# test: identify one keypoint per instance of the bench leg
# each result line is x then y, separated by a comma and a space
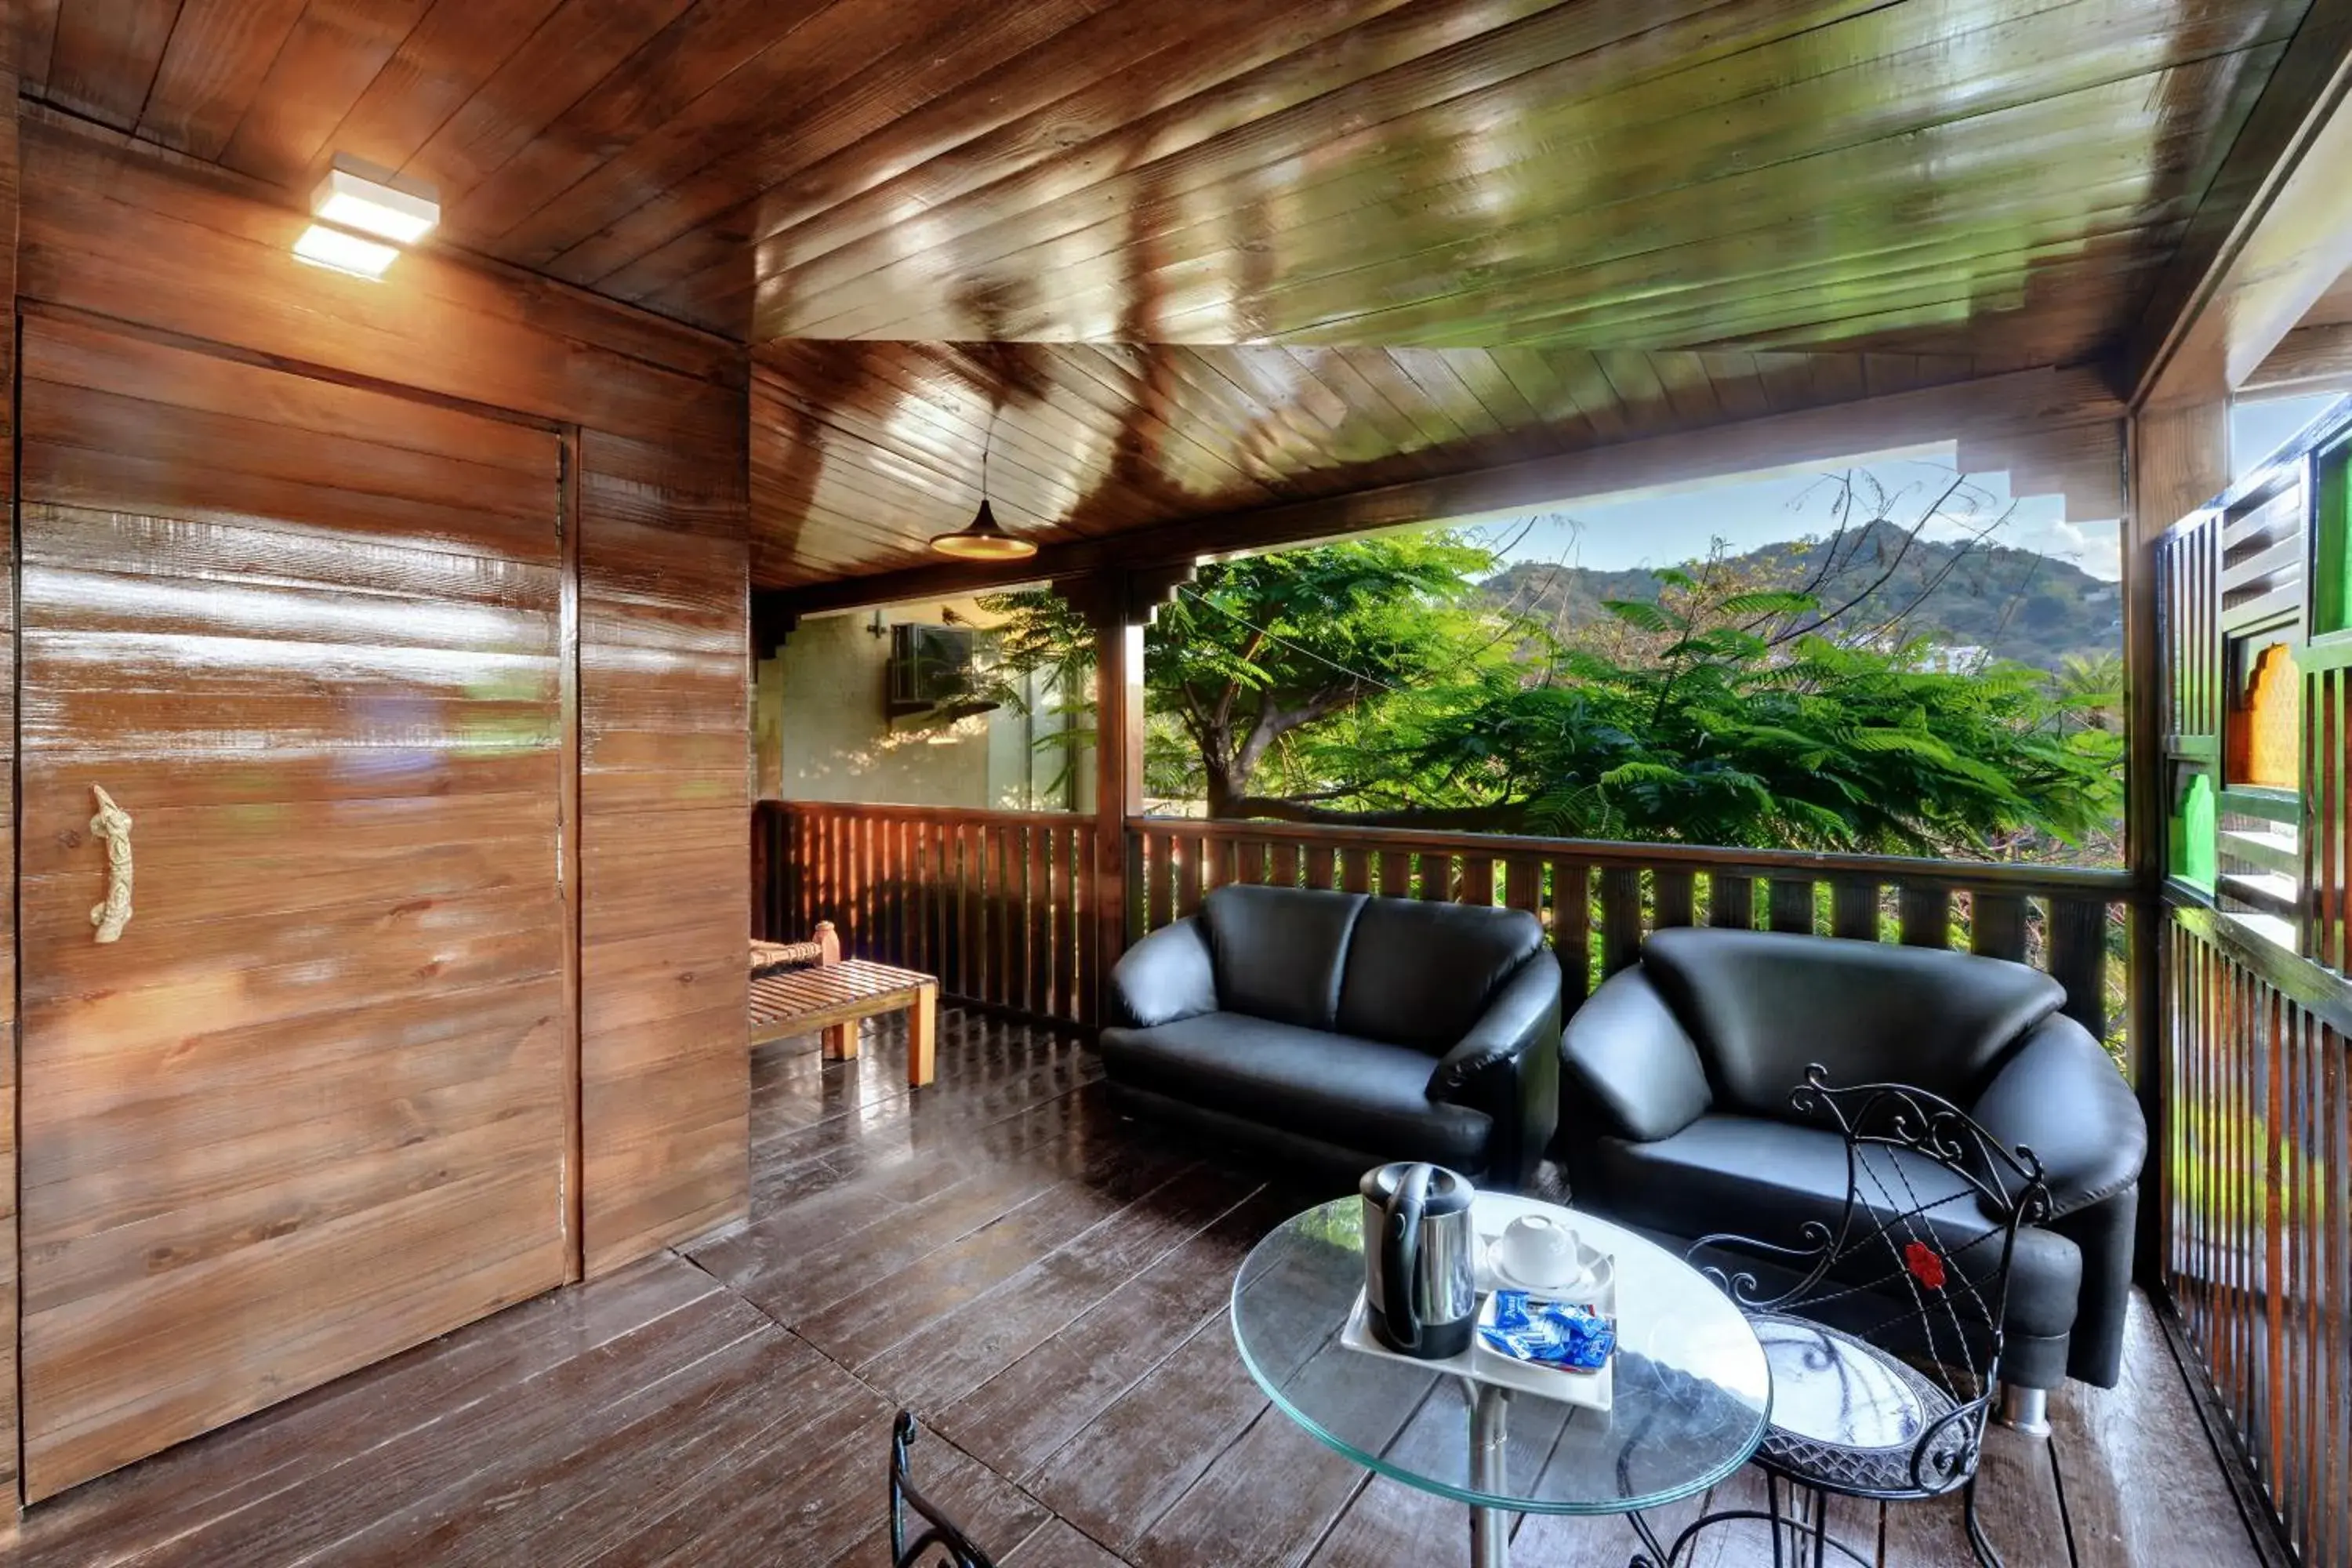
923, 1037
841, 1042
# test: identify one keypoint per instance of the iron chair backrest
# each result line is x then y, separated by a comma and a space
940, 1534
1942, 1313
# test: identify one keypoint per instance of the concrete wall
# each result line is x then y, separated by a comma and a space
821, 727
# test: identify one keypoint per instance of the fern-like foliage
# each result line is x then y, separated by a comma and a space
1362, 678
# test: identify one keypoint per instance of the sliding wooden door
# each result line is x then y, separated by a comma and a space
313, 1106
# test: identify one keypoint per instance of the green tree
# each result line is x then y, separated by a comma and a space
1258, 654
1360, 683
2089, 687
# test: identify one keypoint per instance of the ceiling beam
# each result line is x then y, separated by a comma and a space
2310, 359
2033, 423
2273, 232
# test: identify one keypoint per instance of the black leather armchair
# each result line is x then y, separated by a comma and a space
1340, 1031
1676, 1108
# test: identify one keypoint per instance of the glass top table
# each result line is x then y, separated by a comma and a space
1692, 1388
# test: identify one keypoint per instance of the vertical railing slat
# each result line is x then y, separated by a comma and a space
1083, 850
1670, 897
1040, 999
1187, 876
1061, 915
1789, 903
1159, 892
1523, 884
1436, 877
1927, 915
1730, 900
1571, 929
1997, 925
1854, 909
2078, 960
1620, 917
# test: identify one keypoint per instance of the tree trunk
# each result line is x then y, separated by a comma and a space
1225, 791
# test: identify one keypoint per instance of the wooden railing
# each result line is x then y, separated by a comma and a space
2257, 1190
996, 903
1598, 899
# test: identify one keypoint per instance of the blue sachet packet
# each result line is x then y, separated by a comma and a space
1550, 1334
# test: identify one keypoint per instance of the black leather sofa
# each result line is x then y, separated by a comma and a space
1338, 1031
1676, 1117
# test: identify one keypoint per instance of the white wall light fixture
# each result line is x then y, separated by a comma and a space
360, 207
331, 248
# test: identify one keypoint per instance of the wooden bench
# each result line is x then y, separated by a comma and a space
833, 997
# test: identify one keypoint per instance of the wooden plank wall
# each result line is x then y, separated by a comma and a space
8, 186
123, 234
313, 1107
663, 736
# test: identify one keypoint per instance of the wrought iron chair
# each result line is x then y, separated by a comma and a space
1883, 1324
941, 1542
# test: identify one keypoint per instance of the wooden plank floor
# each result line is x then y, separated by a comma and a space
1045, 1284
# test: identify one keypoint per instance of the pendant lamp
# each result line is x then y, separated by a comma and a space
983, 539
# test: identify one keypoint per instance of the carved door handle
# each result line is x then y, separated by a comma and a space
113, 824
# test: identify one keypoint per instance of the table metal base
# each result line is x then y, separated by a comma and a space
1490, 1528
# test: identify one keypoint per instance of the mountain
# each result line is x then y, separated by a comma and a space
2021, 606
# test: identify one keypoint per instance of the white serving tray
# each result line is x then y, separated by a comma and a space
1591, 1390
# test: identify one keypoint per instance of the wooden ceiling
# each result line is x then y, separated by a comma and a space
861, 451
1666, 174
1613, 217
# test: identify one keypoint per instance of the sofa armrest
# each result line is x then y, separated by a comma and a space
1507, 1065
2060, 1095
1166, 976
1628, 1059
1523, 1015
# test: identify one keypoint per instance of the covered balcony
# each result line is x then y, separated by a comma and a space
495, 485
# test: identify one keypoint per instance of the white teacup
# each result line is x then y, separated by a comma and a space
1541, 1253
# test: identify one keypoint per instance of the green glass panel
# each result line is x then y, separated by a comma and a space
2331, 598
2193, 833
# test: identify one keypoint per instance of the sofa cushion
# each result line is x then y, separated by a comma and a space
1422, 974
1745, 1176
2057, 1083
1764, 1005
1168, 975
1628, 1067
1278, 950
1364, 1094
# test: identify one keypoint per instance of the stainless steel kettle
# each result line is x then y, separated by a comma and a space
1419, 1279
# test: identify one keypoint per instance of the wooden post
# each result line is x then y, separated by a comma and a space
9, 1446
2180, 457
1118, 774
1119, 605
